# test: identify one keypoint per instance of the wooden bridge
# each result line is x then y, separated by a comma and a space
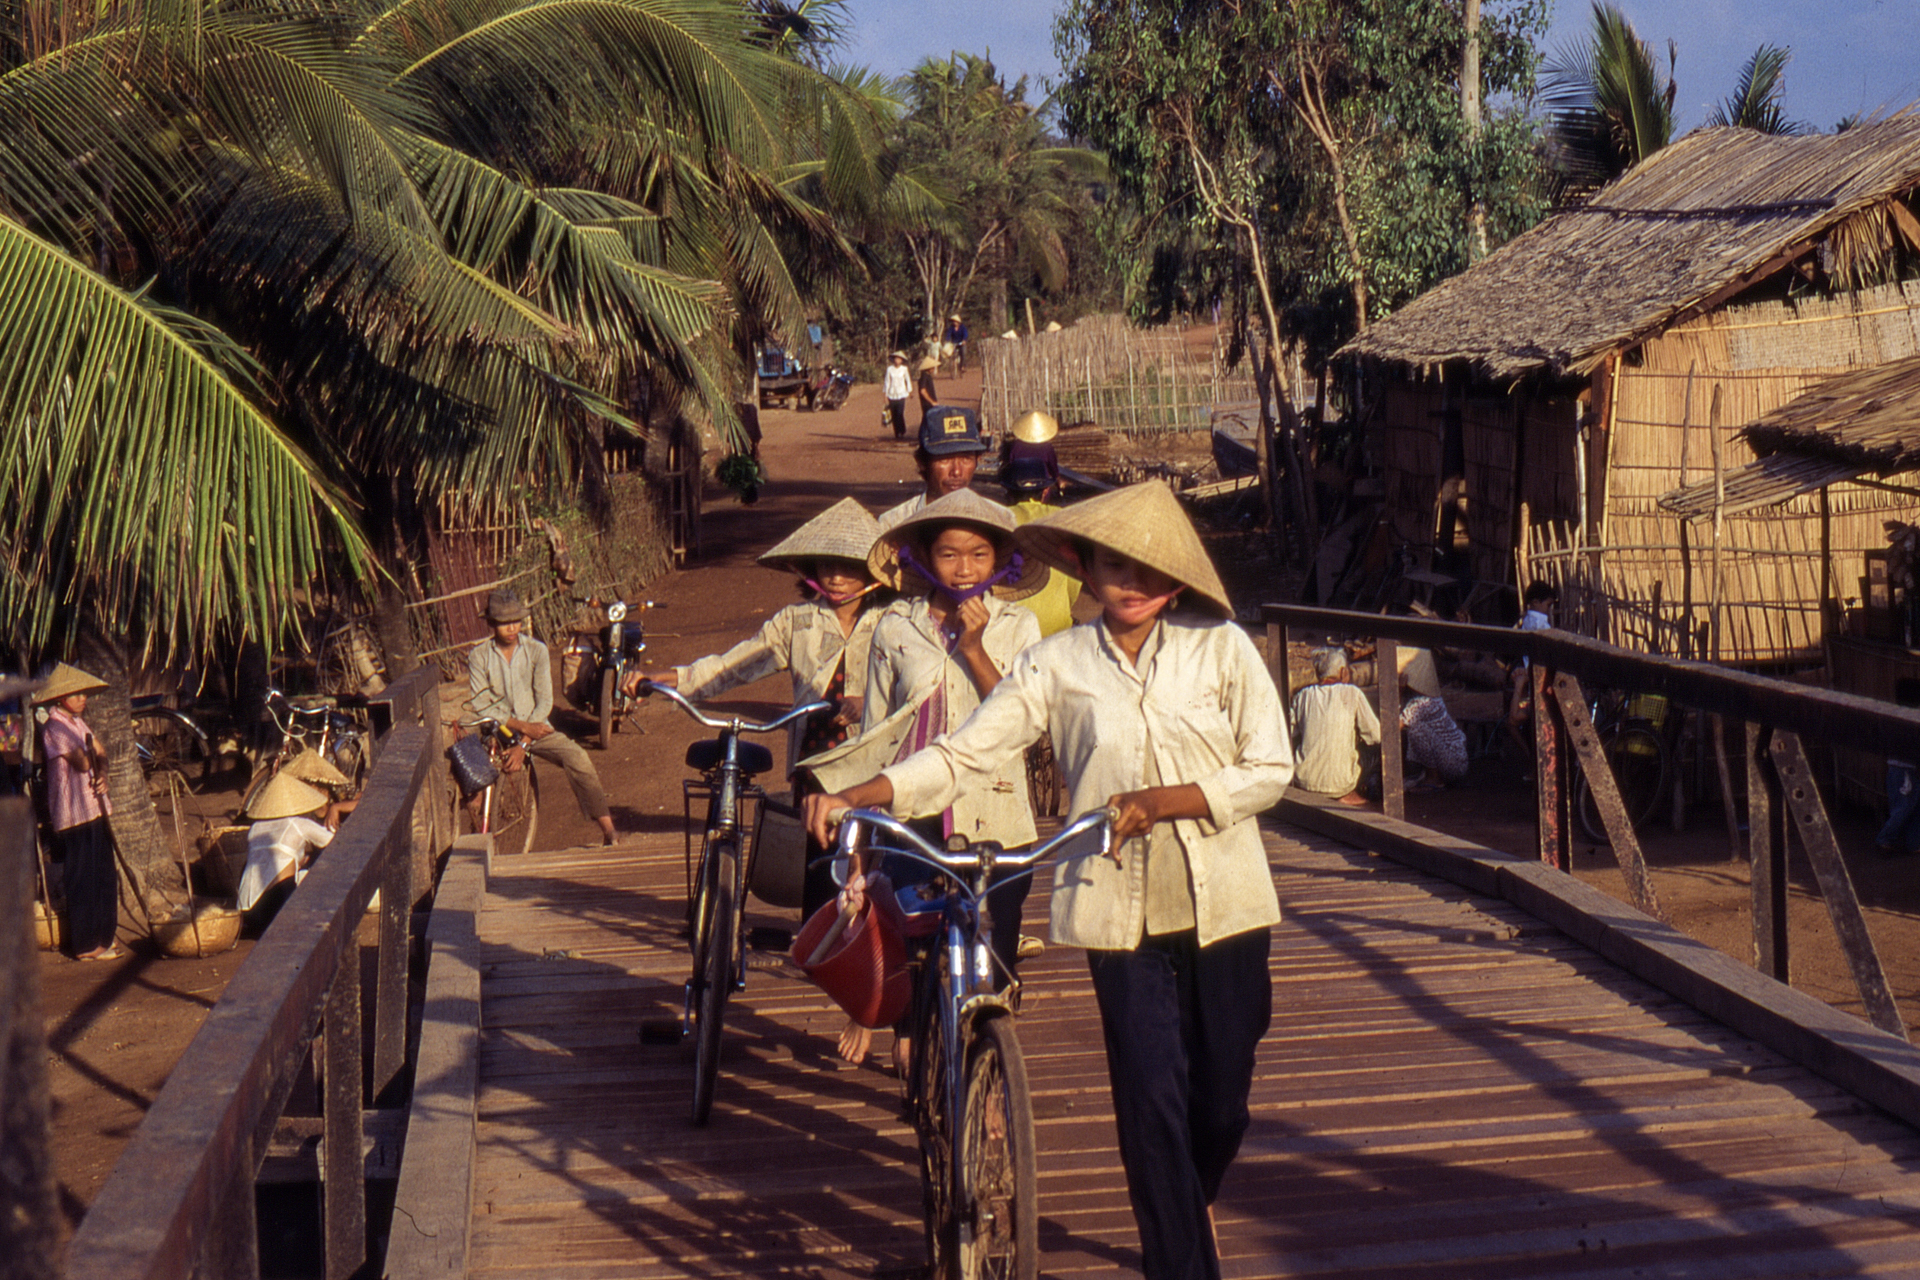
1451, 1088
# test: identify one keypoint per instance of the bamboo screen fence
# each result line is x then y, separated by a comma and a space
1102, 370
1675, 417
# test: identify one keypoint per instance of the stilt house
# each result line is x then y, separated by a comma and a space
1528, 414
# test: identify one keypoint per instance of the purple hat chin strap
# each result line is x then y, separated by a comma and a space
1009, 572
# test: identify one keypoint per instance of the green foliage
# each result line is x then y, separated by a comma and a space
1210, 113
1757, 99
1608, 105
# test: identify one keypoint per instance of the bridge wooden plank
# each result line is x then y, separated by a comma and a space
1449, 1089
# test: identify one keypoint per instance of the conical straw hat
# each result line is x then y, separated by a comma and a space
311, 766
1142, 521
844, 531
1035, 427
284, 797
963, 507
1417, 671
64, 681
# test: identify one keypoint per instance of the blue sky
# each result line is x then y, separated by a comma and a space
1848, 55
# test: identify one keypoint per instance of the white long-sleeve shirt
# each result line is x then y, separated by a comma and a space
1330, 721
897, 384
1200, 700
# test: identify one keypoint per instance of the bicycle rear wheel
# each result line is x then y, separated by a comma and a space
999, 1212
1638, 760
516, 810
713, 942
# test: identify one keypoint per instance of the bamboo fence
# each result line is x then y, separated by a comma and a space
1101, 370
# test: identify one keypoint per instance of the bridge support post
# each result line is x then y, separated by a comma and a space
1393, 774
343, 1165
1767, 859
1553, 826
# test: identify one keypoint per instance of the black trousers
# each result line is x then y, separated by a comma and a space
1182, 1024
897, 413
92, 884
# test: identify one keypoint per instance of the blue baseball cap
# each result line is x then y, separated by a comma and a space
946, 431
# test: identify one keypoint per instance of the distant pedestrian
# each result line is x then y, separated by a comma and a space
923, 387
957, 339
897, 386
78, 805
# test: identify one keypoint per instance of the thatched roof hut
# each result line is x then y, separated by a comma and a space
1698, 223
1529, 414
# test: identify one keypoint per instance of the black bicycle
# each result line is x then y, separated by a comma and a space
716, 884
966, 1086
1633, 736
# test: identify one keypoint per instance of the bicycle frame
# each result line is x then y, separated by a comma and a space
969, 996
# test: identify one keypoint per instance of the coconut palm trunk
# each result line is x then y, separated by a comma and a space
145, 854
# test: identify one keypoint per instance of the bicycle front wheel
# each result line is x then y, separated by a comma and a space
1638, 760
999, 1213
713, 942
928, 1105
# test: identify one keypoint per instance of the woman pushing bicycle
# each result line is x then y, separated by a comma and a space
822, 641
1163, 710
936, 653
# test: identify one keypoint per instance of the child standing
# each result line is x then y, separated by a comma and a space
1162, 709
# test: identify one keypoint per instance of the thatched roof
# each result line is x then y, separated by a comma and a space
1714, 212
1866, 421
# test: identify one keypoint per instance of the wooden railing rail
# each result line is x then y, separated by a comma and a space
1777, 717
180, 1201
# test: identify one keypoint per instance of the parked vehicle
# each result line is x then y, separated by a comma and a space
829, 389
499, 791
622, 641
322, 723
782, 376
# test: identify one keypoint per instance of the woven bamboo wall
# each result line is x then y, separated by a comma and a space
1409, 435
1744, 362
1102, 370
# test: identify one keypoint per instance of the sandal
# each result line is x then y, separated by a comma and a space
113, 952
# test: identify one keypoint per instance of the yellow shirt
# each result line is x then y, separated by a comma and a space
1053, 603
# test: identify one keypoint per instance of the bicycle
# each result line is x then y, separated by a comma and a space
716, 885
1632, 736
505, 804
316, 722
966, 1086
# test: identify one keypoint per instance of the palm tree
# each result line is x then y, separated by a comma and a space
1608, 106
1756, 100
274, 278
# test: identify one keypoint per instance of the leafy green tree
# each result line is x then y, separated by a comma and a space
1009, 187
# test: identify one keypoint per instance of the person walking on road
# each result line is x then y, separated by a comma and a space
511, 680
947, 456
897, 386
77, 802
923, 388
1163, 710
957, 339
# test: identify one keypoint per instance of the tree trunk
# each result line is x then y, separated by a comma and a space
145, 850
1470, 110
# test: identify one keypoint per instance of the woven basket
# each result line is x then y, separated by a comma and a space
49, 930
224, 859
865, 969
208, 929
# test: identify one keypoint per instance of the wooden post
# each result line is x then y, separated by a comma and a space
1719, 521
343, 1167
1553, 835
1767, 855
1571, 703
29, 1211
1386, 677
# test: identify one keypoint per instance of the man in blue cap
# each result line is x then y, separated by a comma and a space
949, 450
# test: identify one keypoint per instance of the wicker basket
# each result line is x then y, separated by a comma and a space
49, 929
208, 929
224, 858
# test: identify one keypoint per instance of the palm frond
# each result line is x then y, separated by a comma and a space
138, 475
1756, 100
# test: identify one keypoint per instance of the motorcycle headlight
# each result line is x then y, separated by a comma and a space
617, 611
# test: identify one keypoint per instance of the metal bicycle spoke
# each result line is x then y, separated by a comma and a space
929, 1105
999, 1203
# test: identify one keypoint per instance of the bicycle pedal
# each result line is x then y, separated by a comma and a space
661, 1032
770, 938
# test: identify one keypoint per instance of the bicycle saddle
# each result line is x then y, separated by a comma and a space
705, 754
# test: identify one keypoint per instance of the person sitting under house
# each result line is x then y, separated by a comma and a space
510, 678
1541, 600
1434, 743
1330, 721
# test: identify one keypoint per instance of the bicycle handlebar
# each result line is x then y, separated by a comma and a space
853, 823
733, 722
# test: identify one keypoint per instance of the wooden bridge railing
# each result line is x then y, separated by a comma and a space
180, 1202
1777, 717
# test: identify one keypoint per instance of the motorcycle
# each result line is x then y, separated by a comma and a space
622, 641
829, 391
